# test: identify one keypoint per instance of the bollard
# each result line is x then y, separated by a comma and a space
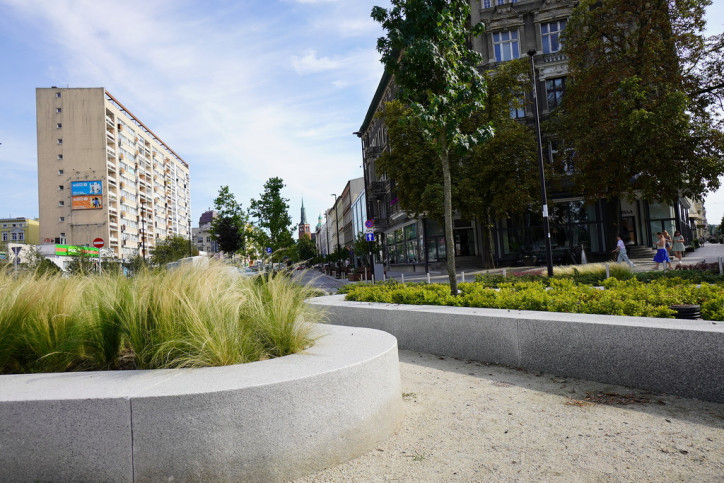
720, 266
373, 279
608, 271
428, 277
384, 277
463, 277
505, 273
402, 277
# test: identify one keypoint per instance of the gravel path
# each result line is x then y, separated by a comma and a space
467, 421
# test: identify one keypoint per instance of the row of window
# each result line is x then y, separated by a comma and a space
506, 45
13, 236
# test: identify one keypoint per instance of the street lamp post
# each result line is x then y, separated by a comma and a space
191, 253
336, 222
544, 198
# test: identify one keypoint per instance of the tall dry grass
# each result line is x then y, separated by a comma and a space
188, 317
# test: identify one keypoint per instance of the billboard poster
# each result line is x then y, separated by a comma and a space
86, 195
74, 251
78, 188
86, 202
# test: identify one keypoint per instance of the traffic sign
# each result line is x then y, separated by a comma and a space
370, 237
268, 249
98, 243
3, 256
16, 250
370, 223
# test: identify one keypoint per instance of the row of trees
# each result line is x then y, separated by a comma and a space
266, 223
639, 117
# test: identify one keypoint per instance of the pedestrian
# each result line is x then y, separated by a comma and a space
702, 241
662, 254
621, 249
678, 246
667, 237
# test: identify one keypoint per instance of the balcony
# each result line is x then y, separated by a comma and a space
111, 167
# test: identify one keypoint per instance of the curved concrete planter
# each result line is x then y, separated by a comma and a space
273, 420
683, 357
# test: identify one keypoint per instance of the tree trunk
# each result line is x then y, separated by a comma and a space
449, 235
488, 246
612, 223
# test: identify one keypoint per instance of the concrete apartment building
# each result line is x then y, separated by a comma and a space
103, 174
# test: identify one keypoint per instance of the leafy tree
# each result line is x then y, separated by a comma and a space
271, 212
637, 111
426, 50
228, 228
81, 264
306, 249
363, 248
136, 264
171, 249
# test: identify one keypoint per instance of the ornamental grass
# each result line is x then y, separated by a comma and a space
188, 317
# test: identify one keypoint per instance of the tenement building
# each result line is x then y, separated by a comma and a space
512, 29
102, 173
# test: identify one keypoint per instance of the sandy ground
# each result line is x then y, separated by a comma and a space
468, 421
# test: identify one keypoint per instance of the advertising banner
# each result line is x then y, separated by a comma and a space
86, 202
86, 195
74, 251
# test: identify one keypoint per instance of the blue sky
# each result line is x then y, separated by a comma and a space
243, 90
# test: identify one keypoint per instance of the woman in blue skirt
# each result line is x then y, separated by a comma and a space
662, 254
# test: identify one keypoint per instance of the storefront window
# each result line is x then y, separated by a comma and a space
402, 245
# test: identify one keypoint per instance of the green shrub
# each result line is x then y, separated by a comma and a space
630, 297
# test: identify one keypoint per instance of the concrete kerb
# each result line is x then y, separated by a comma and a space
273, 420
681, 357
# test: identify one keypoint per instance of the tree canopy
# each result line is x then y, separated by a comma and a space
271, 212
426, 51
228, 228
171, 249
637, 113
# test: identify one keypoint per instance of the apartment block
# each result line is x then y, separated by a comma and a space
102, 173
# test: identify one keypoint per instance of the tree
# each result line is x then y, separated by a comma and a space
228, 228
306, 249
426, 51
363, 249
272, 215
636, 115
170, 250
81, 263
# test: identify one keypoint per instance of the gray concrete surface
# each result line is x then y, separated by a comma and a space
682, 357
264, 421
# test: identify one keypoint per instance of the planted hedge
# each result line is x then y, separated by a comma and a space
621, 297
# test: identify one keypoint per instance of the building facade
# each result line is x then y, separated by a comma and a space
103, 174
512, 29
202, 234
19, 230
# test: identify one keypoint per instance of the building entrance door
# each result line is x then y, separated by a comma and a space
628, 230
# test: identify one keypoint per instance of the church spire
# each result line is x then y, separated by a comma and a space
304, 214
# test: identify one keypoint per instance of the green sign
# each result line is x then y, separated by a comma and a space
74, 251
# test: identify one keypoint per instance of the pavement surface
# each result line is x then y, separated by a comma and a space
467, 421
470, 421
710, 253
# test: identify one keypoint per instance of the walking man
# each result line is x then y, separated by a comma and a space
621, 248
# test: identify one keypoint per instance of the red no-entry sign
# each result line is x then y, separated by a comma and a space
98, 243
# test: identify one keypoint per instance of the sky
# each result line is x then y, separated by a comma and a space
242, 90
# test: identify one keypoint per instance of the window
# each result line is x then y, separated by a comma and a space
57, 94
61, 187
489, 3
58, 125
554, 91
15, 236
60, 171
60, 141
21, 236
550, 35
505, 45
61, 219
61, 203
5, 236
60, 156
58, 109
517, 109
